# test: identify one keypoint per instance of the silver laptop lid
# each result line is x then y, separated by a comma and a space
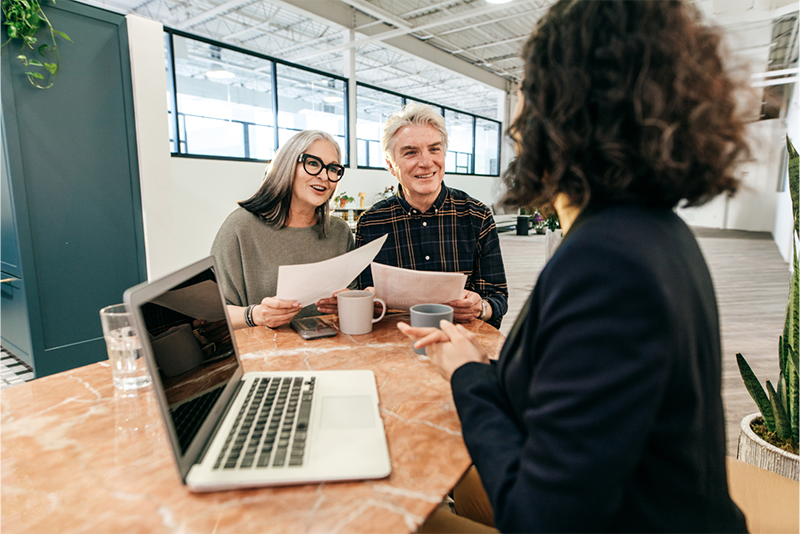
191, 354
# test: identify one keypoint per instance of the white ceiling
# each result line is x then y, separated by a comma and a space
462, 54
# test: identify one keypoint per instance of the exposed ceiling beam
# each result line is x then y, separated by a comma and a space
258, 26
335, 12
210, 13
383, 36
494, 20
495, 43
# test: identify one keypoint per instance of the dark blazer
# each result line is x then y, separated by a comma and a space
603, 412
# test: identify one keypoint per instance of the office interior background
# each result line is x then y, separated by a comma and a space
460, 56
218, 85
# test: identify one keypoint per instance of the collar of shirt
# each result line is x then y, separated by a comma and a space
412, 211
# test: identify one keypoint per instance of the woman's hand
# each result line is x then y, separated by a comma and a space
448, 348
274, 312
330, 305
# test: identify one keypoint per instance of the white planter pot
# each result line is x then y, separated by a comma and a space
756, 451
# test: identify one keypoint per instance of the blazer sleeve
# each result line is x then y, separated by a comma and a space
585, 384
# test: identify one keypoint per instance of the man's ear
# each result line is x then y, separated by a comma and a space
390, 166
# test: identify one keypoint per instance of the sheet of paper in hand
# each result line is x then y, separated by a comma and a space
403, 288
309, 282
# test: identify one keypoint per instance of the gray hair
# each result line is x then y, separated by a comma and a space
411, 113
272, 200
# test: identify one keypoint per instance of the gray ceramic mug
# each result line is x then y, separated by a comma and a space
423, 315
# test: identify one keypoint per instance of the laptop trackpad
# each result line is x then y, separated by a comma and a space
347, 412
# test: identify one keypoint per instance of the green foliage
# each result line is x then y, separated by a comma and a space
757, 392
342, 196
780, 408
542, 217
23, 19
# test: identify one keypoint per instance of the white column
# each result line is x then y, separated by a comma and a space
146, 43
350, 74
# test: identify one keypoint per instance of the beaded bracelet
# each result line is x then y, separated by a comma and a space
248, 316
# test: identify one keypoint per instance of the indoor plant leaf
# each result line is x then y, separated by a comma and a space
794, 164
62, 34
782, 426
757, 392
52, 68
782, 392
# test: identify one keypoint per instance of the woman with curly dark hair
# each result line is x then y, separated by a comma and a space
604, 410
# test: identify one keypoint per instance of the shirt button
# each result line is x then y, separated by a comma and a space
427, 257
424, 224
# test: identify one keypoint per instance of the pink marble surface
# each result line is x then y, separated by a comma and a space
75, 456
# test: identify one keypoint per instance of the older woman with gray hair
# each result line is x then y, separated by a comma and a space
286, 222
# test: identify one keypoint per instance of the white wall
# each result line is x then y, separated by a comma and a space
146, 43
783, 212
206, 191
185, 200
754, 207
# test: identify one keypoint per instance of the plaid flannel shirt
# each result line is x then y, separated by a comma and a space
456, 234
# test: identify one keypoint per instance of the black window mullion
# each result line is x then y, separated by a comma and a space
246, 138
474, 148
275, 105
174, 91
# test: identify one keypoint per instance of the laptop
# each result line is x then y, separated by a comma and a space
229, 429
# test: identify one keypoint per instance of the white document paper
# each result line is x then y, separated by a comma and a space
309, 282
200, 301
403, 288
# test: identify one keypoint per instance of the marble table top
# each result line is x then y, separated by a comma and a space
76, 456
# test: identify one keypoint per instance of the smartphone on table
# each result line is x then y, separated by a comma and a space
312, 328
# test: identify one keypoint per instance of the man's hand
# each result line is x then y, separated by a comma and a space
467, 308
274, 312
448, 348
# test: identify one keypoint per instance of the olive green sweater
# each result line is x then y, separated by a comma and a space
249, 251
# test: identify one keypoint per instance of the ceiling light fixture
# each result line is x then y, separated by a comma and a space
497, 1
332, 99
220, 74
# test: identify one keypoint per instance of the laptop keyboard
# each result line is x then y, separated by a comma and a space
271, 428
189, 416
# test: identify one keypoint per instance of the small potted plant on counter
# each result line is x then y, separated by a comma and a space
769, 439
342, 199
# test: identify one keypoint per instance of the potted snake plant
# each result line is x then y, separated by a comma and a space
769, 439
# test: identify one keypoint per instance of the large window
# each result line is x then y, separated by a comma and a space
487, 147
460, 131
310, 101
373, 108
225, 102
474, 142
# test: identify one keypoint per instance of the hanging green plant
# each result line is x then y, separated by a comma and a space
23, 20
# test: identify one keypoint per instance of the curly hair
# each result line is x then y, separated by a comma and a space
625, 102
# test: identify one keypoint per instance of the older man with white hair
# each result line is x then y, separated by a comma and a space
432, 227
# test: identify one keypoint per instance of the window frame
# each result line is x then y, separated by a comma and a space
177, 143
406, 99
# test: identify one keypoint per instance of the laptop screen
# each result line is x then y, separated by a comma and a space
193, 350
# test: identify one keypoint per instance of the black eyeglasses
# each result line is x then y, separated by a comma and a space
313, 166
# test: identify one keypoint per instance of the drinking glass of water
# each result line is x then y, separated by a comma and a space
128, 368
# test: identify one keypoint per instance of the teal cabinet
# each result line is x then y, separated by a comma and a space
74, 206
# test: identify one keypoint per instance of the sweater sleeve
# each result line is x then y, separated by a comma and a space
227, 252
588, 379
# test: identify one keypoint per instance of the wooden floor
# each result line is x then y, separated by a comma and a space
752, 284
